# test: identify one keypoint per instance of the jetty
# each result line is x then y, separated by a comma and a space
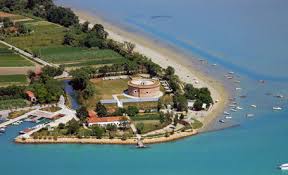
140, 143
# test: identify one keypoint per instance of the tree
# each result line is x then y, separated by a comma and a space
100, 32
180, 102
169, 71
61, 126
72, 127
140, 127
101, 110
82, 113
129, 46
41, 92
198, 105
97, 131
132, 111
85, 27
88, 91
62, 16
130, 67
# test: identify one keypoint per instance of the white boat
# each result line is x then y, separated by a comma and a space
277, 108
228, 117
226, 113
254, 106
233, 110
230, 72
239, 108
232, 105
214, 64
284, 166
2, 130
238, 88
221, 121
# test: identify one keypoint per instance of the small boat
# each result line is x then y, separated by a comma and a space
226, 113
214, 64
277, 108
228, 117
254, 106
230, 77
279, 96
249, 115
233, 110
262, 81
237, 81
221, 121
2, 130
230, 72
238, 88
239, 108
232, 105
284, 166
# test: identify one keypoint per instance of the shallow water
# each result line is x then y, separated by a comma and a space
248, 37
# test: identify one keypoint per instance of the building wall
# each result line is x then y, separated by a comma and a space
143, 92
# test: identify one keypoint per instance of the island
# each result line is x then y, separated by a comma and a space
81, 83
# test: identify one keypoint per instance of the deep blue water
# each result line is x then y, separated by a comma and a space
249, 37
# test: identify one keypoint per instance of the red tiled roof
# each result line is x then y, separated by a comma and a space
92, 114
105, 119
30, 94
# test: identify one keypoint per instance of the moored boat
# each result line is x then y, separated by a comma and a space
284, 166
277, 108
2, 130
221, 121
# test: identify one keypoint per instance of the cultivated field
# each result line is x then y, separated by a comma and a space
10, 59
13, 79
44, 34
75, 56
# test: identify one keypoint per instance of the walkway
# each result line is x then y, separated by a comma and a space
119, 103
140, 143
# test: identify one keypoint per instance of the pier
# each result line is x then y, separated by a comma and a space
140, 143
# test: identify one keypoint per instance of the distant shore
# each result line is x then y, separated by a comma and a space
166, 56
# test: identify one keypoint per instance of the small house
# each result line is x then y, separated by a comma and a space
31, 96
93, 119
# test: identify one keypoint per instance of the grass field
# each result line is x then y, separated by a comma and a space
143, 105
7, 79
76, 56
105, 89
146, 116
44, 34
10, 59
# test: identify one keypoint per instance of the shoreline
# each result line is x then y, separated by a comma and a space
174, 137
165, 56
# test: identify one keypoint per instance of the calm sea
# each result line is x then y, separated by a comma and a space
248, 37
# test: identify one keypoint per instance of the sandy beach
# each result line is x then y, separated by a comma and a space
166, 56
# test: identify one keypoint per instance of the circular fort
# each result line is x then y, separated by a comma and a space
144, 88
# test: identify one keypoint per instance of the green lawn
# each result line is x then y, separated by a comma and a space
143, 105
76, 56
13, 79
105, 90
10, 59
146, 116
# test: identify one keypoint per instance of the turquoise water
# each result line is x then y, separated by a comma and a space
249, 37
